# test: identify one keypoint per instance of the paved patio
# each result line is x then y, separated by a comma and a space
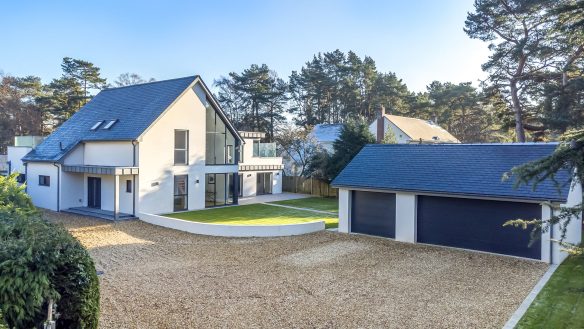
161, 278
272, 197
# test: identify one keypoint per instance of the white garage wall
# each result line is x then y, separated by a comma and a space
405, 217
344, 210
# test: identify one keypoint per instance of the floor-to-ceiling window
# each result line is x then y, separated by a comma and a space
219, 189
264, 183
220, 142
180, 192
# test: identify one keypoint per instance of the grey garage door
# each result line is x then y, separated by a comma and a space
477, 224
373, 213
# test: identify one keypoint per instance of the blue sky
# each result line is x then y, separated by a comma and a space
419, 40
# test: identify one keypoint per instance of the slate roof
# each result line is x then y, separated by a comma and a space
454, 169
418, 129
134, 107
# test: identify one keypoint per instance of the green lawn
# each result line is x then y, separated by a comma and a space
255, 214
560, 304
324, 204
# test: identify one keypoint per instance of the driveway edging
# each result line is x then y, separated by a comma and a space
514, 319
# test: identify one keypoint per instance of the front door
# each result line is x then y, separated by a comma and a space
94, 192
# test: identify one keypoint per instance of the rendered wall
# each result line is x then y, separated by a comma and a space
42, 196
14, 156
108, 153
344, 210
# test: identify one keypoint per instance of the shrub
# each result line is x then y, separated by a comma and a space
39, 261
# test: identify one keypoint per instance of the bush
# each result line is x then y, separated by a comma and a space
40, 261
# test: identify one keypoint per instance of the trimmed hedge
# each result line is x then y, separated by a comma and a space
40, 261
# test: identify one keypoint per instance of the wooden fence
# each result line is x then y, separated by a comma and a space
296, 184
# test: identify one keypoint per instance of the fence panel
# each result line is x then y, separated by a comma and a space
297, 184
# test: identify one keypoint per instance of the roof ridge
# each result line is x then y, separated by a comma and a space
149, 83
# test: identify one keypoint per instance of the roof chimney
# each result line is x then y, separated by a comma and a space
380, 124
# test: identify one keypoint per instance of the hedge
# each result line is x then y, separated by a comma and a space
41, 261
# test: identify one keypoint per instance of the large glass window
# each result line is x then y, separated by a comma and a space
219, 189
220, 142
181, 147
181, 192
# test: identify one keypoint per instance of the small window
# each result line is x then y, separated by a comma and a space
241, 153
181, 147
21, 178
109, 124
96, 125
129, 186
44, 180
256, 148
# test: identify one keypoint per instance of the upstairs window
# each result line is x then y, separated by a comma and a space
181, 147
109, 124
96, 125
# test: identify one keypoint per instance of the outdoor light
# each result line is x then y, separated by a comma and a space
197, 181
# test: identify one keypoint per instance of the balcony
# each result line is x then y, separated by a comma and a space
264, 150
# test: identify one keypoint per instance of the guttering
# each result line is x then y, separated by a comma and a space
58, 186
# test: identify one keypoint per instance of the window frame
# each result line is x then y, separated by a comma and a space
128, 186
185, 195
44, 180
185, 150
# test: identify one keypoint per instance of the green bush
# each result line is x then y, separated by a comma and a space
40, 261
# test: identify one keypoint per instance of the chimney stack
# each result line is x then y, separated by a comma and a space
380, 124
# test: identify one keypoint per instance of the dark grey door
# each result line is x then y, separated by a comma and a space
477, 224
373, 213
264, 183
94, 192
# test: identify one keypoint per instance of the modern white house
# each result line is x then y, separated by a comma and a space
260, 170
22, 146
409, 130
154, 148
454, 195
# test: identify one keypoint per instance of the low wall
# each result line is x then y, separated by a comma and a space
233, 230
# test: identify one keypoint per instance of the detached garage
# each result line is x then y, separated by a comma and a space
453, 195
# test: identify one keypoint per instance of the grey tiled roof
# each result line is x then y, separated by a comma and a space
457, 169
135, 107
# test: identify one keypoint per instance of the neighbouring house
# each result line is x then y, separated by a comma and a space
155, 148
260, 170
409, 130
453, 195
22, 146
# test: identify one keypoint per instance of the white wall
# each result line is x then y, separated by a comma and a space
72, 190
42, 196
156, 157
15, 155
405, 217
344, 210
574, 228
76, 156
109, 154
400, 136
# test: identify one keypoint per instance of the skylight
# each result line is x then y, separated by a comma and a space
109, 124
96, 125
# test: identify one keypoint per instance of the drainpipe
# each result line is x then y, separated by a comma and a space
58, 186
25, 177
134, 143
235, 191
9, 167
551, 235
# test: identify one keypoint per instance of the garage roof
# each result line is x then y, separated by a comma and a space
455, 169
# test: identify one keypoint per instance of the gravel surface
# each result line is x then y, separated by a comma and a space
161, 278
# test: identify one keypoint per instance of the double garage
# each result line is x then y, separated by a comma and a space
475, 224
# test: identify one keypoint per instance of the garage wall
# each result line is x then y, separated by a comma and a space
344, 210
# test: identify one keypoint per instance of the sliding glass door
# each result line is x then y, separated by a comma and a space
219, 189
264, 183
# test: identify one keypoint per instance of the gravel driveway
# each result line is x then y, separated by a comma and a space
161, 278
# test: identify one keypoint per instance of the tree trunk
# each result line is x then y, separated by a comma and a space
519, 131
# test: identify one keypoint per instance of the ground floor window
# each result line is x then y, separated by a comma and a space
180, 192
240, 185
44, 180
219, 189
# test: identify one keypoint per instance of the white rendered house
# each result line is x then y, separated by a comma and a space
260, 170
154, 148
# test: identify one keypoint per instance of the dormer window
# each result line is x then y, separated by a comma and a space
96, 125
109, 124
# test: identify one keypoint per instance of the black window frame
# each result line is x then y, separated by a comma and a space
128, 186
185, 150
44, 180
185, 195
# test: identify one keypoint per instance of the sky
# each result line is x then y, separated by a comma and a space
420, 40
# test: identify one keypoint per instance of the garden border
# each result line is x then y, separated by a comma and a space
233, 230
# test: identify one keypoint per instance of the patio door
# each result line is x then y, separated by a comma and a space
94, 192
264, 183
